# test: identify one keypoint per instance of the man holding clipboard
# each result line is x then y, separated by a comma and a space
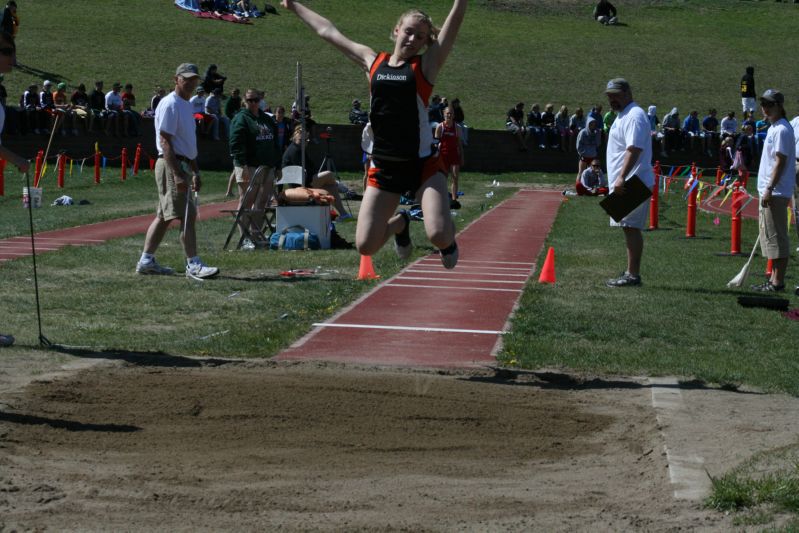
629, 155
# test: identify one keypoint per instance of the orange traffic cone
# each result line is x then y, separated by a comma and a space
367, 271
548, 271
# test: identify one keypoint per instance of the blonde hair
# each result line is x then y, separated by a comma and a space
424, 17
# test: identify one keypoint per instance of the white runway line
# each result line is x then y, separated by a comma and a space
419, 278
450, 287
409, 328
449, 272
686, 470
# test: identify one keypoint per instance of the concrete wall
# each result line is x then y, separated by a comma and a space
490, 151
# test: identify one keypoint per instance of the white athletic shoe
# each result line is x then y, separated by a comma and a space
153, 268
199, 270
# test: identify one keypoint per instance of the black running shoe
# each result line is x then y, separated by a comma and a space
402, 240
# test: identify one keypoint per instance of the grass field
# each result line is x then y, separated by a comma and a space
684, 321
684, 53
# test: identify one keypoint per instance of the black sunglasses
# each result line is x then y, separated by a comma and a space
8, 51
253, 100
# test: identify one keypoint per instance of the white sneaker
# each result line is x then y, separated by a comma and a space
449, 256
247, 245
153, 268
199, 270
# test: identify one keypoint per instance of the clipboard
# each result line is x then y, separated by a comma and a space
619, 206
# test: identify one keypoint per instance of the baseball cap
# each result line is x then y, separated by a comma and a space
356, 102
61, 86
617, 85
773, 95
187, 70
47, 83
116, 85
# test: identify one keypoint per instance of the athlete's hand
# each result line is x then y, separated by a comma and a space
618, 186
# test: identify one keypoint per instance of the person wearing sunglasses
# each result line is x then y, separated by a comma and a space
776, 182
593, 182
401, 83
256, 157
7, 55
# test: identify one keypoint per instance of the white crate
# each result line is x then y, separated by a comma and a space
314, 217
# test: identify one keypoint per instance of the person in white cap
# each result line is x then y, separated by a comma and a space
629, 153
176, 174
776, 182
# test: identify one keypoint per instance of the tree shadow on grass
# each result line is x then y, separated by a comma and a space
44, 74
69, 425
562, 381
154, 359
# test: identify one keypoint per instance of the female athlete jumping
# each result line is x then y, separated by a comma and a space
402, 156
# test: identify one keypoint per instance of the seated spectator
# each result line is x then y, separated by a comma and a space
80, 106
132, 117
710, 131
213, 79
158, 95
358, 115
284, 128
31, 115
577, 121
115, 115
654, 122
548, 121
63, 107
535, 126
514, 123
46, 104
205, 122
605, 13
97, 107
672, 134
323, 180
748, 119
233, 104
213, 106
593, 182
690, 128
562, 127
435, 111
460, 119
588, 142
607, 121
596, 112
729, 125
761, 130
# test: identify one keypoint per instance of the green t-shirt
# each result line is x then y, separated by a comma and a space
253, 140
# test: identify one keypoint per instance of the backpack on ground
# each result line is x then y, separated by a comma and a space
295, 238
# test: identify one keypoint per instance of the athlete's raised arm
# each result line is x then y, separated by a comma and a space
437, 53
361, 54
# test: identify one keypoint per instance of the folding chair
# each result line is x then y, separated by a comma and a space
247, 212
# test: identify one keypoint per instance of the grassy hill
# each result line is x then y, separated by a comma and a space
684, 53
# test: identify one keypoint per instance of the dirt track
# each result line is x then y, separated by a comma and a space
256, 446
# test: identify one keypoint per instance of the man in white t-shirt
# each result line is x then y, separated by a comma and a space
176, 175
776, 182
795, 126
629, 153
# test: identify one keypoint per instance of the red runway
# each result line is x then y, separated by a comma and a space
433, 317
46, 241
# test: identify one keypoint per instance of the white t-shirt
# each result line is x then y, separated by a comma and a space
175, 117
729, 125
113, 101
779, 139
198, 103
795, 126
631, 128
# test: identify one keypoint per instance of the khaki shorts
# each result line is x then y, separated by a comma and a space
258, 174
171, 203
639, 218
774, 241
